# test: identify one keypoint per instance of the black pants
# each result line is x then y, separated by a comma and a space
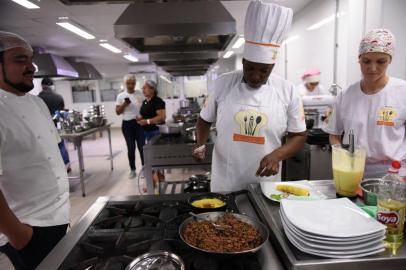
43, 240
133, 133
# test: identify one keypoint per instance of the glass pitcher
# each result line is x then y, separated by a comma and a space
348, 169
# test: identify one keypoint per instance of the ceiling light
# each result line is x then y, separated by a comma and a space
228, 54
110, 47
103, 40
130, 58
165, 79
290, 39
324, 21
26, 4
73, 27
238, 43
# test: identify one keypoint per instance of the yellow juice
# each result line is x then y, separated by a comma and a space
346, 182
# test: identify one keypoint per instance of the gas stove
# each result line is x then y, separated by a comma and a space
124, 230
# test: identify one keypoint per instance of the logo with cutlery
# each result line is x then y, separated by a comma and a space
250, 123
386, 116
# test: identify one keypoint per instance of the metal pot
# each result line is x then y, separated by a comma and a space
370, 189
170, 128
157, 260
191, 133
212, 216
184, 103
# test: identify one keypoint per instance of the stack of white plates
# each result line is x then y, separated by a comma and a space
331, 228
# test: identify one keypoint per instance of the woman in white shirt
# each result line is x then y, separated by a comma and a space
311, 84
375, 107
128, 105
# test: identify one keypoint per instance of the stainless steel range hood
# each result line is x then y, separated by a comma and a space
86, 71
177, 33
51, 65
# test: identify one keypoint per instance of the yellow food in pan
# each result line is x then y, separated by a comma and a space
208, 203
295, 190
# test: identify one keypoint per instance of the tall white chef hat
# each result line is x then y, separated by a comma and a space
265, 28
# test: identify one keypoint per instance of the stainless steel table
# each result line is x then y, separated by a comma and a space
77, 138
294, 259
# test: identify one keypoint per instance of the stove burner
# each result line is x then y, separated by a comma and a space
124, 231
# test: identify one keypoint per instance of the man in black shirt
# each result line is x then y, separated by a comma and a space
54, 103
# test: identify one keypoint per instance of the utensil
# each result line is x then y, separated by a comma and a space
210, 195
263, 230
157, 260
370, 188
216, 226
250, 125
351, 146
257, 121
245, 122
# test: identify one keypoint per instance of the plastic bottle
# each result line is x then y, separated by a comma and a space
393, 172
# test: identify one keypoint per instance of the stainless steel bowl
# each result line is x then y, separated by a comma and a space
370, 189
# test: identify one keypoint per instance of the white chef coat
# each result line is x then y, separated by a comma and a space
319, 90
378, 121
133, 109
250, 124
33, 177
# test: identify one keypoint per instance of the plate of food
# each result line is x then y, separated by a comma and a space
291, 190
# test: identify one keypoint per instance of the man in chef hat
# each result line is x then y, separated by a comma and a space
253, 109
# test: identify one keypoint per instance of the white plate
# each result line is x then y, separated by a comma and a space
269, 190
332, 246
331, 240
336, 218
329, 254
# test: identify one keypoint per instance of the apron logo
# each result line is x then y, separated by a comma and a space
386, 116
250, 123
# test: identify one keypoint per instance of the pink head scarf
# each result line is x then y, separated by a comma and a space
311, 75
378, 40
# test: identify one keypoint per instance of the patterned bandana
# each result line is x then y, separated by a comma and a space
378, 40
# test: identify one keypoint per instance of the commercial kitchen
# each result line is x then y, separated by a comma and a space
206, 191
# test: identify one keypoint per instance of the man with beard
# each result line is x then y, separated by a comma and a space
34, 189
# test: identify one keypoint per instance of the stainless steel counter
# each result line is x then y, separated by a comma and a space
294, 259
76, 139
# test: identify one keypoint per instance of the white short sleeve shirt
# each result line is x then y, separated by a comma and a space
378, 121
132, 110
33, 176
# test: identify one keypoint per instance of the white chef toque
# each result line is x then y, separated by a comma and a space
264, 31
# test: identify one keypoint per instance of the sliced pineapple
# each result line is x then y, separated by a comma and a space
295, 190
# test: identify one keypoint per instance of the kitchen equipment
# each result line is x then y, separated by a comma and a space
263, 230
211, 195
348, 169
157, 260
315, 108
184, 103
215, 225
370, 189
170, 128
191, 133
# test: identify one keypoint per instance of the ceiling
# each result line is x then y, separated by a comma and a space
39, 28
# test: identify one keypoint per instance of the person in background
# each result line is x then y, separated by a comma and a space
55, 103
152, 112
311, 84
253, 109
128, 105
374, 107
34, 188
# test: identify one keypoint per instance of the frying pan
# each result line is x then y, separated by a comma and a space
213, 216
213, 195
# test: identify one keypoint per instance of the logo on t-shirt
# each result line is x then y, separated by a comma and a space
250, 123
386, 116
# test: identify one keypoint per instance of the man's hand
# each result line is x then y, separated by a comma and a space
269, 165
199, 152
22, 238
142, 122
127, 101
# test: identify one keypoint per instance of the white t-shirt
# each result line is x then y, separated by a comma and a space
378, 121
133, 109
33, 176
320, 90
